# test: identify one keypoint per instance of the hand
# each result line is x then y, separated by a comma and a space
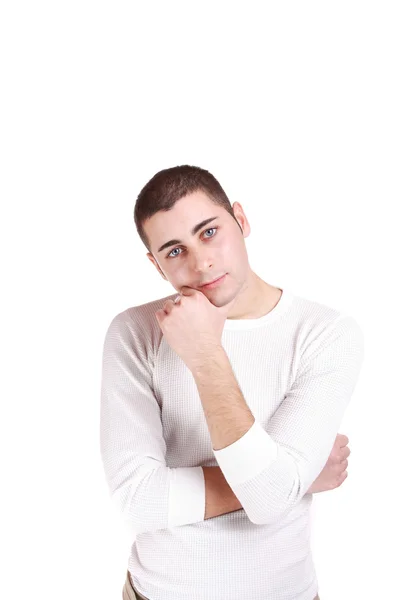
334, 472
193, 326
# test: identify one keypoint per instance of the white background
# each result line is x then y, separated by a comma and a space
294, 107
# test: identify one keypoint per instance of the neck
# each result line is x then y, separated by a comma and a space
255, 299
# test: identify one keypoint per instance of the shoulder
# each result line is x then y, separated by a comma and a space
319, 325
139, 323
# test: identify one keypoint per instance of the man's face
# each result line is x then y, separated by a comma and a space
217, 248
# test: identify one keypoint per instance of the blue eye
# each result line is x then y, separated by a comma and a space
169, 255
178, 248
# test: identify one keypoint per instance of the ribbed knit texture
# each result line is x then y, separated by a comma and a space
297, 368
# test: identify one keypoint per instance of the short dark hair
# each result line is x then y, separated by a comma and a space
170, 185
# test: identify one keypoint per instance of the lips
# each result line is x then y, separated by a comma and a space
213, 281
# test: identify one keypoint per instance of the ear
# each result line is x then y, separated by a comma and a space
241, 218
157, 266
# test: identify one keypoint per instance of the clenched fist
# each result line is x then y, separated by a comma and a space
192, 326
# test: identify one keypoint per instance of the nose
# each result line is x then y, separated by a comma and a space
201, 261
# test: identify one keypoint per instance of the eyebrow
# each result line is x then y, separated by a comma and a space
195, 229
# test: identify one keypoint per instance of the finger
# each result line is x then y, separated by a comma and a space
342, 440
344, 464
168, 306
187, 291
345, 453
160, 314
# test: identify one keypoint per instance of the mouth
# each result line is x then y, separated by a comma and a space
214, 283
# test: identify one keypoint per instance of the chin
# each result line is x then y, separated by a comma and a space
222, 300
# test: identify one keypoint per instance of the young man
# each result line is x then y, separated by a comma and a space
220, 408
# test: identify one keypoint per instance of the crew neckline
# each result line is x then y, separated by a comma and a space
280, 307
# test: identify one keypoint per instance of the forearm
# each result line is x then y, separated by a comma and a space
220, 498
226, 411
228, 418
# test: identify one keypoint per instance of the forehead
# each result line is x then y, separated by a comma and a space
192, 204
185, 214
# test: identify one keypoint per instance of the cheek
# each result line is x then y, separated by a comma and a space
177, 271
231, 249
224, 244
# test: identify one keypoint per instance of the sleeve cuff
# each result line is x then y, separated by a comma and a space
248, 456
187, 496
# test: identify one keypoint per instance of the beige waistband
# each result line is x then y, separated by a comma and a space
135, 590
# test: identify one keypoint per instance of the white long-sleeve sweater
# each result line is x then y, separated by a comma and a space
297, 367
